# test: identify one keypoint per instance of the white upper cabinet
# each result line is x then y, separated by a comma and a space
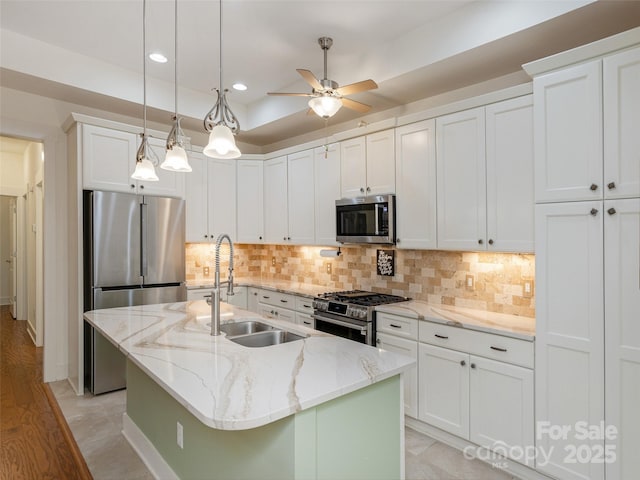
250, 197
510, 195
622, 124
327, 191
461, 181
416, 185
276, 228
368, 165
568, 124
301, 198
109, 159
210, 198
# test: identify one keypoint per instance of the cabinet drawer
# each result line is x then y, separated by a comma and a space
397, 325
498, 347
305, 319
198, 294
304, 305
277, 299
276, 313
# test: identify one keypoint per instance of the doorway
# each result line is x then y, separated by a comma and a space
21, 240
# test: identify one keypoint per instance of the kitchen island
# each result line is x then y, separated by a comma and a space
205, 407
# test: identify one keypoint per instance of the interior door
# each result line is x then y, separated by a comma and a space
13, 250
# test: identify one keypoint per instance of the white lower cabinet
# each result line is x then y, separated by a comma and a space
281, 306
409, 348
485, 401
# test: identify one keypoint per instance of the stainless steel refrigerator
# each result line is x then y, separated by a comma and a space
133, 255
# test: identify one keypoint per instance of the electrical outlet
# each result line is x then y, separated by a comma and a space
527, 289
469, 282
205, 271
273, 261
180, 435
328, 267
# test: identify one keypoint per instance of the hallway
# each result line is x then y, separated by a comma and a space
33, 443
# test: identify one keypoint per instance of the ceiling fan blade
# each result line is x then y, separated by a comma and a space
310, 78
291, 94
357, 87
357, 106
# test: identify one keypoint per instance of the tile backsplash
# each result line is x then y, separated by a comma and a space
439, 277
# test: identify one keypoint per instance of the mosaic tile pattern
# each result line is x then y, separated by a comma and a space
438, 277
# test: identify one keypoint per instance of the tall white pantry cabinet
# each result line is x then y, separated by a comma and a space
587, 160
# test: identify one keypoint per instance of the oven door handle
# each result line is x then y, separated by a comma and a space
352, 326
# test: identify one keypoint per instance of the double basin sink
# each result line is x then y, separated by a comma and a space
252, 333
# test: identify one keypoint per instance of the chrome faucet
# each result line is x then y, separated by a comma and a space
215, 294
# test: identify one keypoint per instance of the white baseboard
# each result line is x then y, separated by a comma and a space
514, 468
146, 451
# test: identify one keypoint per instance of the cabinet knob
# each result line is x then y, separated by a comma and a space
288, 238
361, 190
491, 241
132, 186
480, 242
397, 240
473, 365
260, 238
368, 189
377, 339
611, 185
206, 236
463, 363
611, 211
594, 211
141, 187
593, 187
284, 238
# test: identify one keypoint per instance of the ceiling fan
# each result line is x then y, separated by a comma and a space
327, 96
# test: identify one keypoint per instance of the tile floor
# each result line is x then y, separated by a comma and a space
96, 422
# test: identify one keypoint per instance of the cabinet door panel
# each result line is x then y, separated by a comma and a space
569, 346
250, 199
353, 167
221, 198
108, 159
443, 391
381, 168
568, 140
275, 200
301, 198
510, 196
622, 333
461, 180
501, 405
169, 184
327, 191
410, 349
621, 86
196, 200
416, 185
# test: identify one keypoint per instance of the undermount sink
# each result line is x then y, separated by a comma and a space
244, 328
266, 338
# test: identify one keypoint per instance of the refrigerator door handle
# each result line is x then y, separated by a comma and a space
143, 240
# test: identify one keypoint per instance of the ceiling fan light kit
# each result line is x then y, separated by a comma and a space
327, 97
220, 122
145, 166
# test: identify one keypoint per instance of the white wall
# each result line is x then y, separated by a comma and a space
11, 172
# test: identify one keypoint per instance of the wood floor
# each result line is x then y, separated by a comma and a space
34, 442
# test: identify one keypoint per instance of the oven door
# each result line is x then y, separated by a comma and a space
361, 332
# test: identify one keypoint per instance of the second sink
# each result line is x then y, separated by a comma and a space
266, 338
244, 328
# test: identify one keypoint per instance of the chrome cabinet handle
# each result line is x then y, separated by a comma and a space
441, 336
611, 211
463, 363
594, 211
593, 187
498, 349
611, 185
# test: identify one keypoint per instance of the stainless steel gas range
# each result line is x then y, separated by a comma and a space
350, 314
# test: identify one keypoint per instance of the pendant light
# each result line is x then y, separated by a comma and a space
145, 168
176, 159
221, 122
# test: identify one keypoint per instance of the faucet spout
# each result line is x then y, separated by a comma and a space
215, 296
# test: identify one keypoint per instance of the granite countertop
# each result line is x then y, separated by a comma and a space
481, 320
231, 387
297, 288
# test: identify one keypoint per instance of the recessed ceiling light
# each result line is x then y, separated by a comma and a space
240, 86
158, 57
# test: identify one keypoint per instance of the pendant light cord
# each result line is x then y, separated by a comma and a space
175, 58
220, 46
144, 68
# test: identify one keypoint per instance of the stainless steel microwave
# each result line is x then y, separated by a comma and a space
369, 219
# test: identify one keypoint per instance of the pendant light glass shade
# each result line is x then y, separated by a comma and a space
221, 143
325, 106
